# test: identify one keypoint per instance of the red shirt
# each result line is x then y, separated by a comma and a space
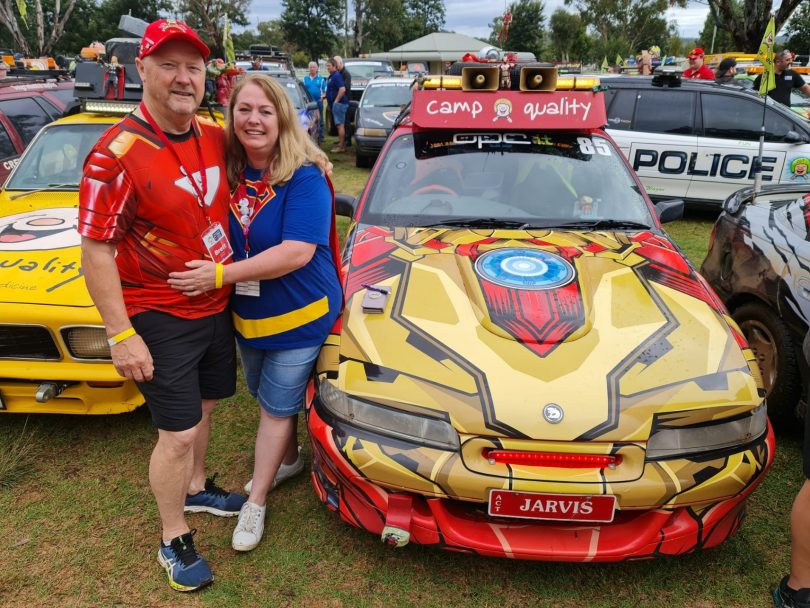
135, 194
704, 72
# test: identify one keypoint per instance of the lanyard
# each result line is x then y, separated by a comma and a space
201, 192
245, 211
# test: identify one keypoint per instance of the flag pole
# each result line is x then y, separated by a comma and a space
766, 84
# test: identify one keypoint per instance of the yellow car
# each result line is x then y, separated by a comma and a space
53, 346
526, 365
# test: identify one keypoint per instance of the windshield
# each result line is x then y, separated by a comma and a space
56, 156
367, 71
386, 95
295, 94
536, 179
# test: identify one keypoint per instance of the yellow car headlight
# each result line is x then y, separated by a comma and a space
377, 418
365, 132
682, 442
86, 342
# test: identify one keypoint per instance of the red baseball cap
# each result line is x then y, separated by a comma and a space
696, 52
161, 31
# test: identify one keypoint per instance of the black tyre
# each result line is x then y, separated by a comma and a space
775, 353
363, 161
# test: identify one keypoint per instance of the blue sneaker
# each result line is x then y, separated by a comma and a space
214, 500
187, 569
785, 597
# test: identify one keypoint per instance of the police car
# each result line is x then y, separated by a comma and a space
697, 140
526, 365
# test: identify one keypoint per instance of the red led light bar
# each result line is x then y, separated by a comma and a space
552, 459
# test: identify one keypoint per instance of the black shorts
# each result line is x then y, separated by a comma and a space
194, 359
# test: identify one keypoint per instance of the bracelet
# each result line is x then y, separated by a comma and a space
121, 337
218, 275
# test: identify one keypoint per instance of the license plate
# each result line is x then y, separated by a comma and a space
558, 507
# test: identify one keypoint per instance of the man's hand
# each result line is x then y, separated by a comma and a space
132, 359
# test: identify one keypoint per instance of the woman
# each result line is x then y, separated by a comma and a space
287, 294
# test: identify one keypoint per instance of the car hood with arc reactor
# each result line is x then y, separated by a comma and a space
491, 326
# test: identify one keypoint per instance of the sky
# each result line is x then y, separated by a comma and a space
472, 17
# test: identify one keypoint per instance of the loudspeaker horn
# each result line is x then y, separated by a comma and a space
538, 79
484, 78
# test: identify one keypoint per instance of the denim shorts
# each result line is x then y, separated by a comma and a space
339, 112
278, 378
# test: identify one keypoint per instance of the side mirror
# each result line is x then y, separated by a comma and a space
791, 137
669, 210
344, 205
312, 105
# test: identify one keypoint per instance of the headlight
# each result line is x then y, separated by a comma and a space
363, 132
86, 342
674, 442
380, 419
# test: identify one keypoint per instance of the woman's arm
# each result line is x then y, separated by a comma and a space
271, 263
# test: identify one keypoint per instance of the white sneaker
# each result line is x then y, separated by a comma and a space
249, 527
285, 471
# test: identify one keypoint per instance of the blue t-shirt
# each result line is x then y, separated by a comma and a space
333, 85
315, 86
298, 309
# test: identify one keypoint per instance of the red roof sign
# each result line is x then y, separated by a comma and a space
508, 110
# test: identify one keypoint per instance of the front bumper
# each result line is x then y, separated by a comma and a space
81, 386
369, 146
674, 527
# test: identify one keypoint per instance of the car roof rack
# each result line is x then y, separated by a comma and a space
667, 76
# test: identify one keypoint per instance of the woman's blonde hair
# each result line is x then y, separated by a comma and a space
294, 148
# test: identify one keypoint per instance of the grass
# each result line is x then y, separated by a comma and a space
81, 529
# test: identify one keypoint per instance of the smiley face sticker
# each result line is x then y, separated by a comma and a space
503, 109
39, 230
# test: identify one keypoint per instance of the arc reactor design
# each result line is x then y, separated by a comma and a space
524, 269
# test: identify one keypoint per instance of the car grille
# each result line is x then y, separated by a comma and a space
27, 342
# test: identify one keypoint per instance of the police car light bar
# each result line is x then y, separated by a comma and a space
508, 110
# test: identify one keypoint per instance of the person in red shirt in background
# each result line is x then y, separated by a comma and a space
697, 70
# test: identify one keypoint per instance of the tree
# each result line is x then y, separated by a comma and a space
569, 39
208, 18
626, 26
383, 27
799, 30
747, 26
422, 17
51, 18
91, 22
718, 41
311, 24
527, 31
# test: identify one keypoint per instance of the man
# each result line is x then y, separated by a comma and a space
153, 196
350, 110
257, 64
794, 590
697, 70
316, 87
786, 79
337, 98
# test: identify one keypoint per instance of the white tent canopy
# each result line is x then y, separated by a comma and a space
437, 49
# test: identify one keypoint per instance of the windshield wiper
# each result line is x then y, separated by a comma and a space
478, 222
43, 189
604, 223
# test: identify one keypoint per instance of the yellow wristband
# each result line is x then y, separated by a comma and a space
218, 275
121, 337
